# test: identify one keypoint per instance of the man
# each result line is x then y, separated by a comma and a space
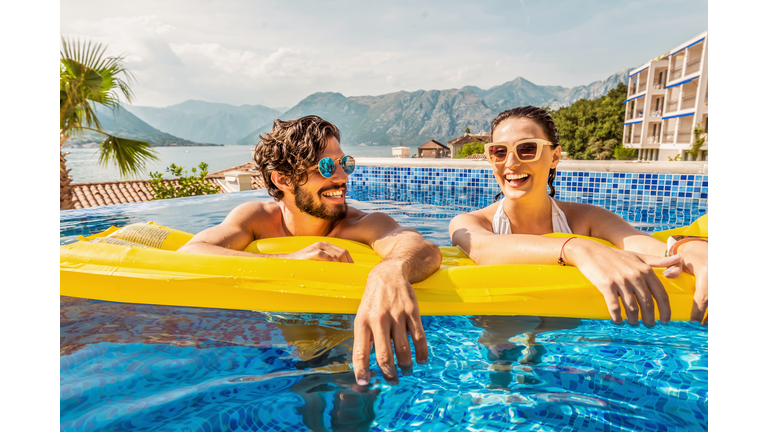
304, 167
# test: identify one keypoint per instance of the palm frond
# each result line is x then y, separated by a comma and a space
89, 77
129, 156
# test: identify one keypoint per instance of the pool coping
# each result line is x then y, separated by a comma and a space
677, 167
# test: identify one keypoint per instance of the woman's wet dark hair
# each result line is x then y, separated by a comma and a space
545, 121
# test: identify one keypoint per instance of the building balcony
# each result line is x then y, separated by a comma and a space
684, 137
689, 102
668, 137
653, 140
675, 73
656, 113
639, 114
693, 66
635, 139
672, 106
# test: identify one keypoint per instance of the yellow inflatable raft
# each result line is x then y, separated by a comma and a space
139, 264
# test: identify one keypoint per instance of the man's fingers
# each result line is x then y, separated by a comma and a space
402, 347
384, 355
661, 296
614, 308
346, 257
419, 339
361, 351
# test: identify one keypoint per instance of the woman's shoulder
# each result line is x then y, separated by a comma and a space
483, 216
583, 217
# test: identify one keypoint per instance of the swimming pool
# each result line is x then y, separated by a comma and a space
157, 368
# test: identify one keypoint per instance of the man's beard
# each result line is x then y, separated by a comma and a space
306, 204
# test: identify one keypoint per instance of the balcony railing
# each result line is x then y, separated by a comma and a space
641, 86
658, 86
635, 139
656, 113
652, 140
672, 105
692, 66
683, 137
675, 73
668, 137
639, 114
689, 102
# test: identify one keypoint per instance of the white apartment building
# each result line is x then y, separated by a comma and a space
666, 98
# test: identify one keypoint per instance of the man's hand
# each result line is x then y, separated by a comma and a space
388, 312
322, 251
694, 257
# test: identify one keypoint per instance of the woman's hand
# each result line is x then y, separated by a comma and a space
693, 260
623, 274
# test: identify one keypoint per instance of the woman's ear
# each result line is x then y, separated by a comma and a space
281, 181
556, 157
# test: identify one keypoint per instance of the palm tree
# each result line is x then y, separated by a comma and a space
87, 78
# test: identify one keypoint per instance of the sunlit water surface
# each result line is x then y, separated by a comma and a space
156, 368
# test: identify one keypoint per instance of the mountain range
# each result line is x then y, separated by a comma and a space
123, 124
412, 118
206, 121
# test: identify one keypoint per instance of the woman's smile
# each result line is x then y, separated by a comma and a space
516, 179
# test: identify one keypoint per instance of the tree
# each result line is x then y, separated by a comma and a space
87, 77
601, 150
466, 130
623, 153
601, 119
470, 149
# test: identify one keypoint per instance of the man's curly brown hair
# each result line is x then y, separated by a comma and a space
291, 148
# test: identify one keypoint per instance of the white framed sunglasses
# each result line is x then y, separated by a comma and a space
526, 150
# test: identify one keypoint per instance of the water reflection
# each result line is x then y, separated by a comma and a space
323, 349
510, 339
129, 367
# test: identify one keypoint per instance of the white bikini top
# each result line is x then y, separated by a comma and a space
559, 223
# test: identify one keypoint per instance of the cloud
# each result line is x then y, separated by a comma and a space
141, 38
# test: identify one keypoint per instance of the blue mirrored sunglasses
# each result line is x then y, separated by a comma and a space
327, 166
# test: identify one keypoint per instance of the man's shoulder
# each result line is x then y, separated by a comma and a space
256, 209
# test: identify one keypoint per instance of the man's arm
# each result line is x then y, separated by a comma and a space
389, 310
235, 233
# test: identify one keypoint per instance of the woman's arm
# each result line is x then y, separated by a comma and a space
604, 224
621, 276
693, 256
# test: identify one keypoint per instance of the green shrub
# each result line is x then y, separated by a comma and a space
698, 142
622, 153
189, 185
470, 149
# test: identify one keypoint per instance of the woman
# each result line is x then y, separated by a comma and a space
524, 153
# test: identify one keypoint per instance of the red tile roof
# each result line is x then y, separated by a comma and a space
466, 139
94, 194
433, 144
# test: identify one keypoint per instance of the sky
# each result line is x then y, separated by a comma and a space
275, 53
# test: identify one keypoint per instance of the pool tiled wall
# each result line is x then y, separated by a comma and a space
598, 185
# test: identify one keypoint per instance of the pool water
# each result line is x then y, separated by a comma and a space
156, 368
